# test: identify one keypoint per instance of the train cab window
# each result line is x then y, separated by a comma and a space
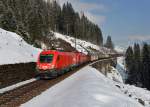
46, 58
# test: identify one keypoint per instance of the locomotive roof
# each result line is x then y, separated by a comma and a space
56, 51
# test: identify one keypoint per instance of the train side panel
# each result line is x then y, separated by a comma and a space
65, 60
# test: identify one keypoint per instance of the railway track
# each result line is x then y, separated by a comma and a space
16, 97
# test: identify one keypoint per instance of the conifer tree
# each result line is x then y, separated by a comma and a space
146, 65
35, 19
129, 58
137, 63
109, 43
8, 21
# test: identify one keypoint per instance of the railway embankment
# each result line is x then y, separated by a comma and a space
14, 73
104, 66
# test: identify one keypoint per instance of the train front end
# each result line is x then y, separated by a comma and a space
46, 64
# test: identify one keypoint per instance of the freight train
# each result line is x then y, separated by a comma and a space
52, 63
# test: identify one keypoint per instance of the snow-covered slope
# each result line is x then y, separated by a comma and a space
119, 49
136, 93
81, 45
121, 68
12, 87
13, 49
86, 88
115, 75
118, 74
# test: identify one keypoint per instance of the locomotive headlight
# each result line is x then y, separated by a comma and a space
52, 66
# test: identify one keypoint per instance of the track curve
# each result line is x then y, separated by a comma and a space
16, 97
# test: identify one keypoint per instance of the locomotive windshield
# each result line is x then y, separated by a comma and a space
46, 58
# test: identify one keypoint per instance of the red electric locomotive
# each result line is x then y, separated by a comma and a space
52, 63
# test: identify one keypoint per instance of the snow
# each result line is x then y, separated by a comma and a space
86, 88
81, 45
13, 49
119, 73
9, 88
115, 75
119, 49
121, 67
134, 92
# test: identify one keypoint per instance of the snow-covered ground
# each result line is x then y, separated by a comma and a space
119, 73
119, 76
115, 75
81, 45
136, 93
121, 68
13, 49
12, 87
120, 49
121, 63
86, 88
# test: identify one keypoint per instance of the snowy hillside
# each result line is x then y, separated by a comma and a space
118, 75
121, 68
81, 45
13, 49
138, 94
119, 49
86, 88
115, 75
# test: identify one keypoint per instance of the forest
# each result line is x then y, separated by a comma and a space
34, 20
138, 65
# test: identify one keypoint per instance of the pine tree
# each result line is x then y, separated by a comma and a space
2, 8
137, 64
34, 19
129, 59
77, 25
68, 15
8, 21
109, 43
146, 65
56, 16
